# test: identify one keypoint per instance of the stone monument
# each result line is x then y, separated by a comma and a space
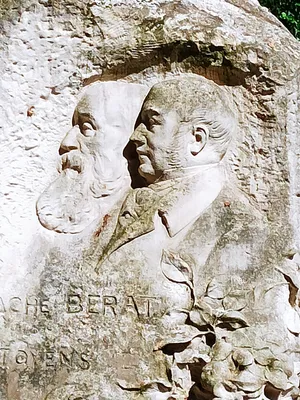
149, 201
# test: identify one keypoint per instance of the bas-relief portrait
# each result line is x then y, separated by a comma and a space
178, 262
92, 172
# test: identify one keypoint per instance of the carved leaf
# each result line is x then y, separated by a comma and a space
176, 269
277, 378
181, 378
196, 350
235, 301
215, 290
221, 392
202, 314
263, 356
199, 319
251, 379
291, 273
176, 336
221, 350
242, 357
248, 381
292, 320
234, 319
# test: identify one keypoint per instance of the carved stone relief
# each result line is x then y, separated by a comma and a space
156, 260
163, 259
93, 173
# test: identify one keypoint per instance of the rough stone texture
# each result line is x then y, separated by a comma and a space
211, 315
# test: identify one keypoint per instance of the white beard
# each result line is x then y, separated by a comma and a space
79, 195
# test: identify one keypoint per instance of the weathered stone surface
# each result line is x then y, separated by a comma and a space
177, 277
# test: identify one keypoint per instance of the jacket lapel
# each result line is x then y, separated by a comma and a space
136, 218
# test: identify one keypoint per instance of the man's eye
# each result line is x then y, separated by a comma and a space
87, 129
152, 121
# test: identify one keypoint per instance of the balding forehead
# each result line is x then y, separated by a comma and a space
187, 94
194, 90
113, 102
101, 101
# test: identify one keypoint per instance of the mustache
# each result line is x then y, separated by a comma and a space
102, 184
72, 160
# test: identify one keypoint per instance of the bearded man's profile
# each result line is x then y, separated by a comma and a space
92, 171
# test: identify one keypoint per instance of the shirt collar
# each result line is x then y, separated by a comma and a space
190, 196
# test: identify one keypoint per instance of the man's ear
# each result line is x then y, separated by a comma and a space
200, 137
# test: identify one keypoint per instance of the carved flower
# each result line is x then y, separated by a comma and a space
223, 371
233, 373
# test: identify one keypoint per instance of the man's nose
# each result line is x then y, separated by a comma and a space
139, 135
70, 141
